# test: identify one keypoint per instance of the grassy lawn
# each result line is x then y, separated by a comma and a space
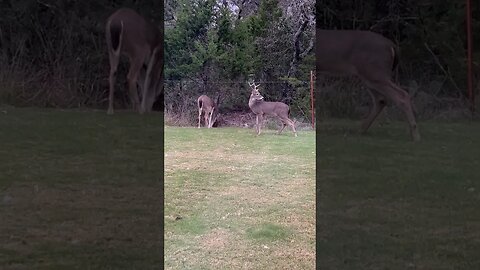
236, 201
388, 203
79, 189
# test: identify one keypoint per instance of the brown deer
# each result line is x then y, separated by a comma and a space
277, 109
372, 58
130, 34
207, 106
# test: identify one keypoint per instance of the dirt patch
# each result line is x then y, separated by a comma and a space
298, 255
276, 193
216, 239
236, 119
218, 161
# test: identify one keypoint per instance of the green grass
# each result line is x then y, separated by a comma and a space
268, 231
389, 203
237, 201
79, 189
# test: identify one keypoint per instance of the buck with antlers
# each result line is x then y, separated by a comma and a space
207, 106
372, 58
277, 109
130, 34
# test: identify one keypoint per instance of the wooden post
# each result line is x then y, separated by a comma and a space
471, 95
312, 98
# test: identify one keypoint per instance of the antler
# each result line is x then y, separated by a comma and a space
252, 84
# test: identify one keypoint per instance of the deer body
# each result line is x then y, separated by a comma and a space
372, 58
207, 106
261, 108
130, 34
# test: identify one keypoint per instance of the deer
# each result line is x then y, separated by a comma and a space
260, 107
129, 34
372, 58
207, 106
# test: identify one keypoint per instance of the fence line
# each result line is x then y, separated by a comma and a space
231, 82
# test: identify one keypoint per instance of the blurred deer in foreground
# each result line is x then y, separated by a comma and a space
372, 58
207, 106
130, 34
260, 108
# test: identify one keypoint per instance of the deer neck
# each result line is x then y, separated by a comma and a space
255, 104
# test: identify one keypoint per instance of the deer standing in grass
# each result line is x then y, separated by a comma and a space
372, 58
130, 34
277, 109
207, 106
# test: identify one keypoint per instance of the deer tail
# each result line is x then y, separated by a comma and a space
116, 36
199, 102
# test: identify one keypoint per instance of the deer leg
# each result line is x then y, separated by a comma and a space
132, 87
148, 95
292, 125
379, 103
283, 126
259, 123
405, 103
206, 119
132, 78
210, 124
154, 92
199, 116
141, 82
149, 99
402, 99
114, 59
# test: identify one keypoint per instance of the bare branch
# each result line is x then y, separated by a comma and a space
446, 72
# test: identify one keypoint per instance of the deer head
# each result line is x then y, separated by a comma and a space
255, 94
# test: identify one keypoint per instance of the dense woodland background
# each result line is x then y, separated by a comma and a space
213, 47
432, 40
53, 53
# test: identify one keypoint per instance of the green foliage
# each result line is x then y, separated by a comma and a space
237, 59
268, 13
206, 35
193, 21
220, 59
